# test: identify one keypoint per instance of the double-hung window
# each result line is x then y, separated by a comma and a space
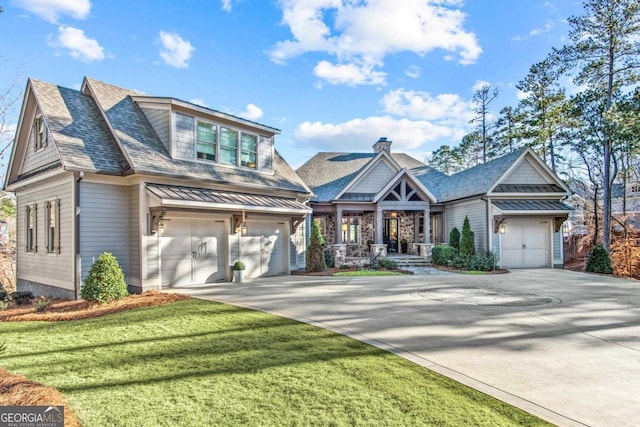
249, 148
31, 221
206, 139
228, 146
52, 221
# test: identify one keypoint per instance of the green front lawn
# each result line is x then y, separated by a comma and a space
366, 273
198, 363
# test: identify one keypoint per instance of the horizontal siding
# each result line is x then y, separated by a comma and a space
476, 211
42, 267
104, 224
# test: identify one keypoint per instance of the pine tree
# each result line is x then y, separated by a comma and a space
315, 251
467, 239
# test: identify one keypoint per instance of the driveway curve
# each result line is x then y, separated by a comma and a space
559, 344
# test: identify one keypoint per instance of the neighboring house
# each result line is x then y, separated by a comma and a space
177, 192
514, 203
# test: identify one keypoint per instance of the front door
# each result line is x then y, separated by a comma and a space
390, 234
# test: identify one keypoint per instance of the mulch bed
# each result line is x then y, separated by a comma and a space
18, 390
81, 309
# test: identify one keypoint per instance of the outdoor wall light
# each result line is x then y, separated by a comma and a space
243, 227
161, 229
502, 228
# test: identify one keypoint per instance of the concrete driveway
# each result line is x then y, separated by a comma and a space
562, 345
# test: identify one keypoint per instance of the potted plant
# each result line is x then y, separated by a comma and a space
238, 271
403, 245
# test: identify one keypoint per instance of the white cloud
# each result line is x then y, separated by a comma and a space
359, 134
479, 84
227, 5
349, 74
444, 109
413, 72
51, 10
252, 112
175, 50
199, 102
365, 32
78, 45
545, 29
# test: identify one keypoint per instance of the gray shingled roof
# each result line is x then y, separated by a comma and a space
147, 154
328, 173
81, 136
470, 182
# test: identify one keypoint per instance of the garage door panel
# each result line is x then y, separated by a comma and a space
192, 252
526, 244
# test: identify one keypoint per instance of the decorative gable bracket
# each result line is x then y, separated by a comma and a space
157, 225
296, 221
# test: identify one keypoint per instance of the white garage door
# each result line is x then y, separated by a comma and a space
192, 252
263, 249
526, 244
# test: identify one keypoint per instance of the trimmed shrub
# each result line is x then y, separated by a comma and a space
599, 261
42, 304
21, 297
467, 239
483, 261
328, 259
105, 281
387, 264
443, 255
315, 251
454, 238
239, 266
3, 293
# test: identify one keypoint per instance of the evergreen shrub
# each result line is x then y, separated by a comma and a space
599, 261
105, 281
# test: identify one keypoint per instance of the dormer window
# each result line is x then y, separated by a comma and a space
206, 141
228, 146
249, 148
202, 140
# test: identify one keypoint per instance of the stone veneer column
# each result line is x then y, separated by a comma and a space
339, 254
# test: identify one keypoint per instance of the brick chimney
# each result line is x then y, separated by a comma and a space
382, 145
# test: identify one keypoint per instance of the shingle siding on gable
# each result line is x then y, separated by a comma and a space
161, 122
525, 173
476, 211
35, 160
185, 139
373, 182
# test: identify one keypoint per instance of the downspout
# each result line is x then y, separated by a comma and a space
77, 273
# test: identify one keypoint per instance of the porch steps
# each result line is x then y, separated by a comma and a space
410, 261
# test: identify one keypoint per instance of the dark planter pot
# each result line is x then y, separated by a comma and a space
403, 247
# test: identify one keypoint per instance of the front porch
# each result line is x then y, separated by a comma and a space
361, 255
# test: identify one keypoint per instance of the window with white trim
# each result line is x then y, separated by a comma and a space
30, 228
52, 222
249, 148
228, 146
206, 139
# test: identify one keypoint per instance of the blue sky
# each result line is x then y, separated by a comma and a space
333, 75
